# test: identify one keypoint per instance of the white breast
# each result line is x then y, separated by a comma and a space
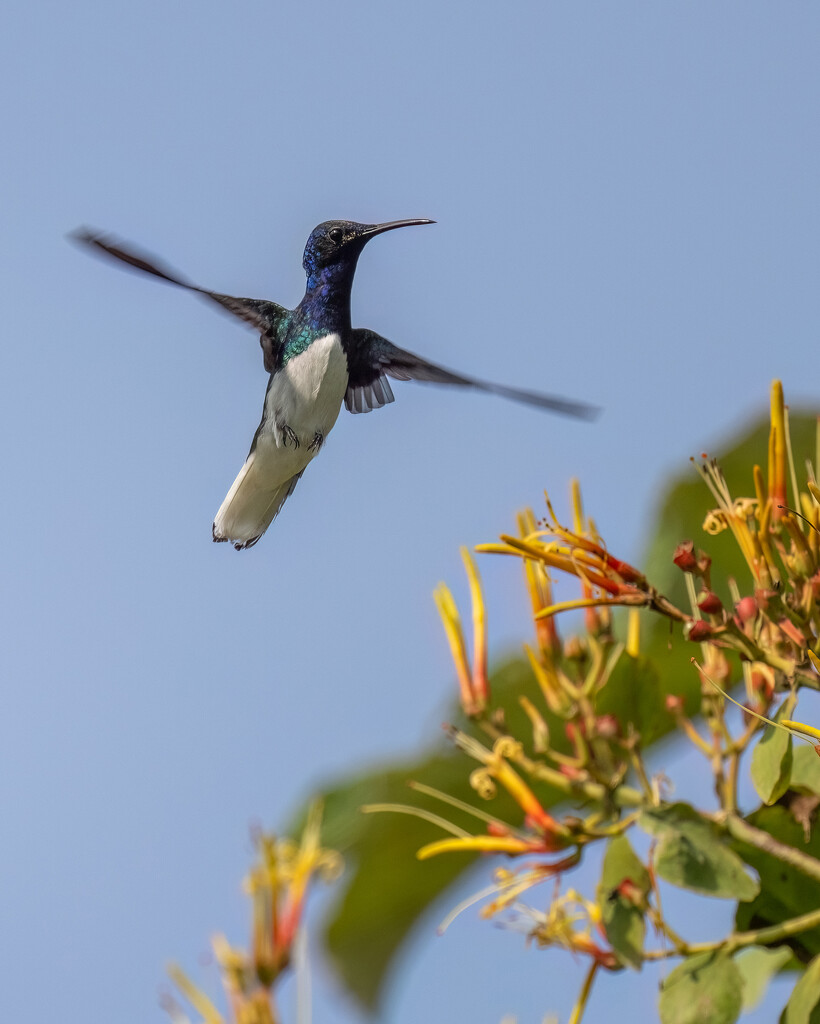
307, 393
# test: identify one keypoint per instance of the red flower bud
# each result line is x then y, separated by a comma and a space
684, 557
709, 603
674, 703
699, 631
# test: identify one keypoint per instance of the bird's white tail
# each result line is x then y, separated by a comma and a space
251, 504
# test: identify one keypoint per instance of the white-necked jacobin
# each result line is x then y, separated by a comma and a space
316, 360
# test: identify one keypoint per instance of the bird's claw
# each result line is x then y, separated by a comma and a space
288, 434
317, 442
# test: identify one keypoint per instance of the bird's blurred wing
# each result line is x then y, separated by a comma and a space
371, 359
261, 314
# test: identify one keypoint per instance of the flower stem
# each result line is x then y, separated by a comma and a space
586, 988
746, 833
739, 940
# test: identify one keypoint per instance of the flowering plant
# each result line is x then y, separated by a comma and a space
547, 764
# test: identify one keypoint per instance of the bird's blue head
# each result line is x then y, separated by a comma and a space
339, 242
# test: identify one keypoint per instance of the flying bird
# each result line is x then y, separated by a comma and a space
316, 361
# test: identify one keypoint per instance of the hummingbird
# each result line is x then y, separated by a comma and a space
316, 361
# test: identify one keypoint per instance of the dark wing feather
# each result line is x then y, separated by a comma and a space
261, 314
371, 359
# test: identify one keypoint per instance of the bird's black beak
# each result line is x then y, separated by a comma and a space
377, 229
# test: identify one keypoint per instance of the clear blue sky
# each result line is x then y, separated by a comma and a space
628, 212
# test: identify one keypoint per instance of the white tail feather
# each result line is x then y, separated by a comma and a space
251, 504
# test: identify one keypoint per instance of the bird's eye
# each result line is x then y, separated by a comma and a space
336, 235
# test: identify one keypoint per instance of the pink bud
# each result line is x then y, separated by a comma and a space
746, 609
607, 727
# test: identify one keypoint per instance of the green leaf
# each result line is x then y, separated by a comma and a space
784, 891
622, 919
805, 775
803, 1007
772, 758
387, 887
634, 696
757, 966
694, 855
704, 989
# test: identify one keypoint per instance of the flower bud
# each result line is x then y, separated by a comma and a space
746, 610
607, 727
687, 560
698, 631
684, 557
709, 603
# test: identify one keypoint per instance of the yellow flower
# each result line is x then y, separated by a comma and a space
277, 885
568, 923
474, 684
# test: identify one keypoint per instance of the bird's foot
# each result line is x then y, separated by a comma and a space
317, 442
286, 434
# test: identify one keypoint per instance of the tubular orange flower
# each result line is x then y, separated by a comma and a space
539, 586
777, 451
277, 885
474, 685
633, 633
458, 648
484, 844
289, 872
496, 768
605, 580
736, 515
546, 675
481, 683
